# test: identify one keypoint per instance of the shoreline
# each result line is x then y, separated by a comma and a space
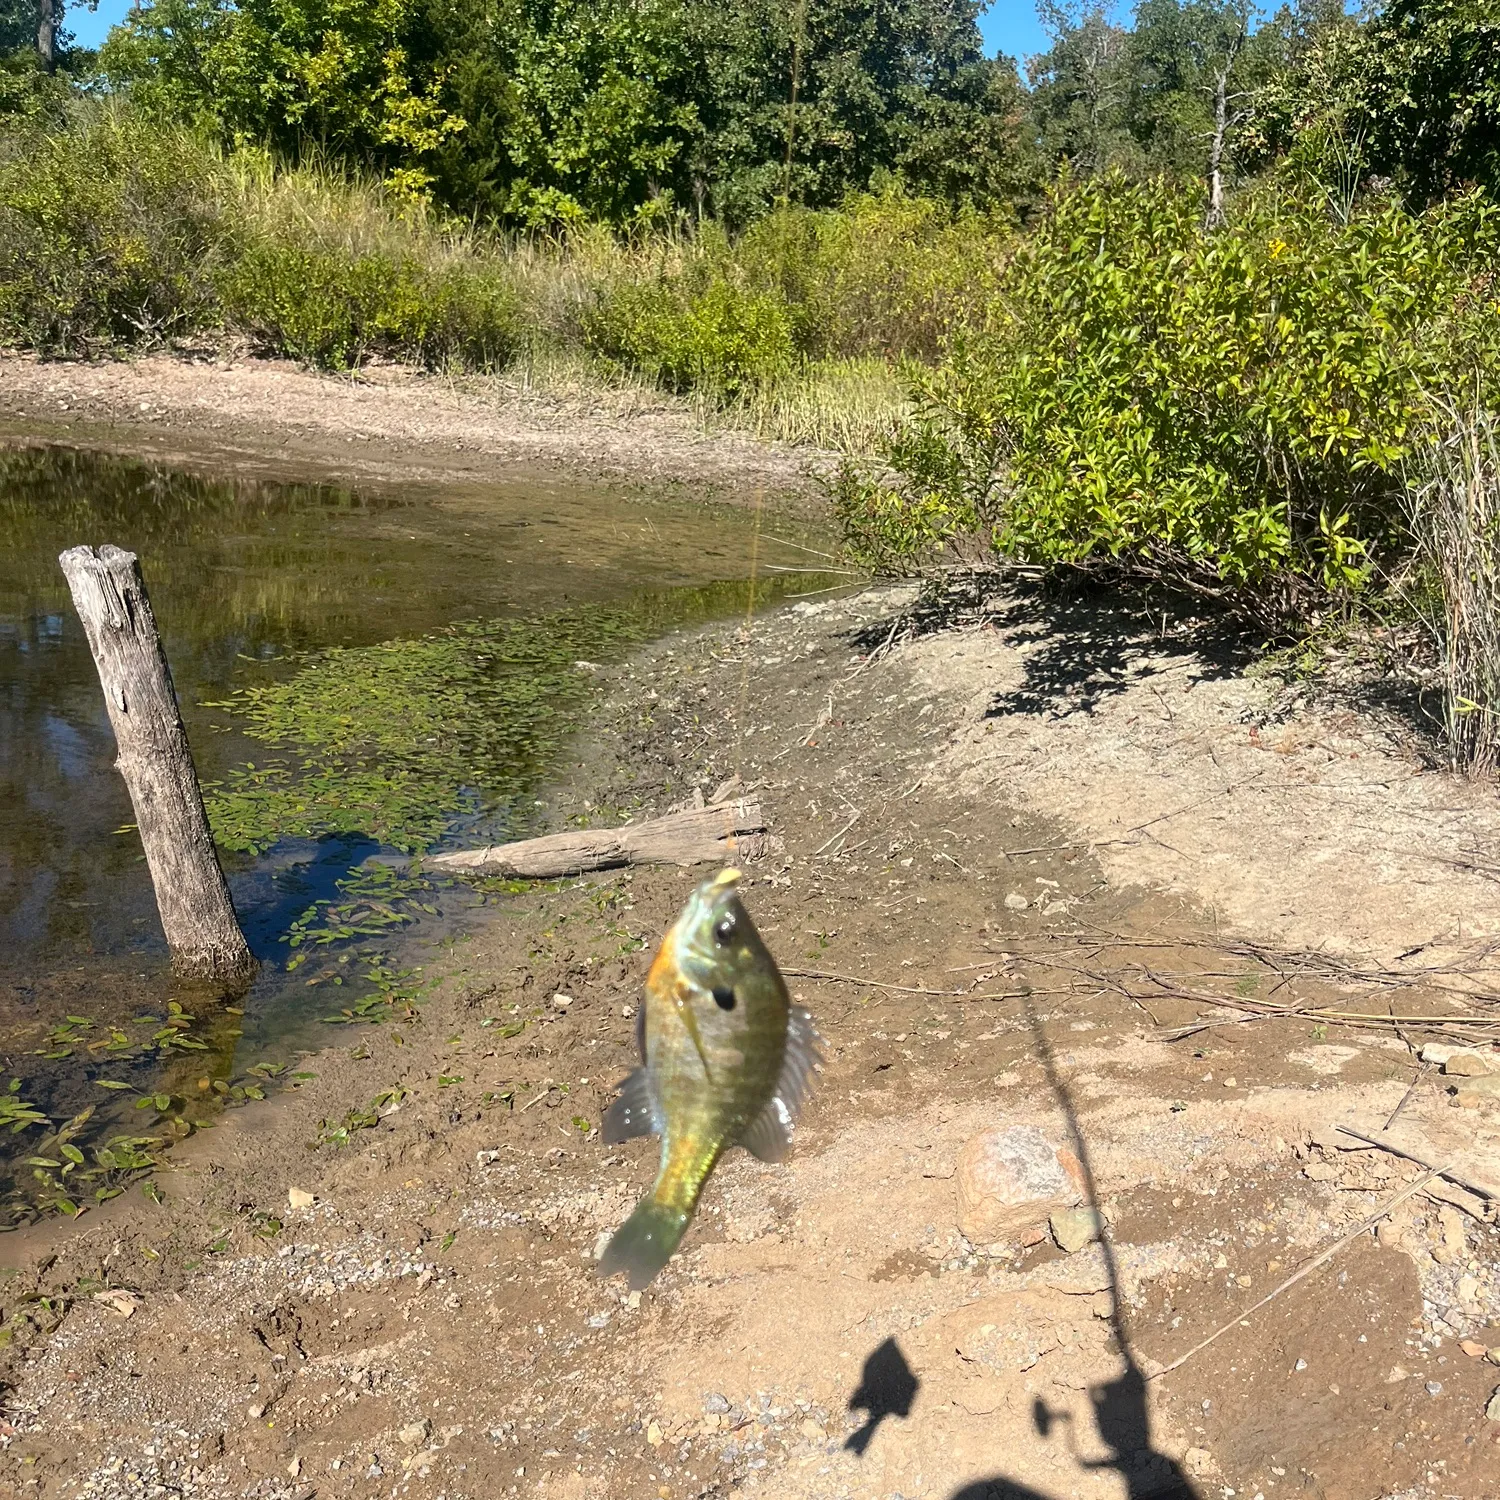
391, 424
433, 1314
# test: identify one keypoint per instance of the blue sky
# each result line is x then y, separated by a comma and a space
1008, 26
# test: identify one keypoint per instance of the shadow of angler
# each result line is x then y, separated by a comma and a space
1122, 1416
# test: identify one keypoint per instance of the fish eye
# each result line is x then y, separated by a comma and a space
723, 997
724, 930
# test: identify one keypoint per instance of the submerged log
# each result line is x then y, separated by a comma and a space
197, 915
721, 831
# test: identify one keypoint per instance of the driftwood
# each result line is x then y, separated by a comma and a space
721, 831
196, 913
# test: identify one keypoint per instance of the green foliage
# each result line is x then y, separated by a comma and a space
354, 79
331, 306
107, 233
574, 109
720, 338
1230, 406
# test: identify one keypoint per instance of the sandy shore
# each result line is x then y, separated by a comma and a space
388, 424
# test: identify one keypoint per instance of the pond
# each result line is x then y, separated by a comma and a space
364, 676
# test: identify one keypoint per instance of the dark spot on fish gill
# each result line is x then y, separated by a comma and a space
723, 997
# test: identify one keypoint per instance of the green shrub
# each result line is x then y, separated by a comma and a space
107, 234
331, 306
720, 337
1231, 405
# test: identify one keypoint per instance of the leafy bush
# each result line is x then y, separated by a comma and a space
1231, 407
720, 337
107, 234
332, 307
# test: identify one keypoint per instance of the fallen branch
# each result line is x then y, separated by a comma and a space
1483, 1189
719, 832
1363, 1227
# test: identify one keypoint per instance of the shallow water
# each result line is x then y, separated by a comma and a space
246, 578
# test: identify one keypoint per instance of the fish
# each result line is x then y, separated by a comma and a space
726, 1059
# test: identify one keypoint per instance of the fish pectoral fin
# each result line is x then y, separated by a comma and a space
634, 1112
769, 1135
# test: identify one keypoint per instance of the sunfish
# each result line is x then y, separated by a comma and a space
726, 1059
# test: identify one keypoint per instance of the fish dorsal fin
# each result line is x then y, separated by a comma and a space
634, 1112
769, 1135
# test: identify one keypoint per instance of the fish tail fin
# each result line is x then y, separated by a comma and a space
644, 1243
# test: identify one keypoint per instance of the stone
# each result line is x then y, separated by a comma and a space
1438, 1052
654, 1435
1009, 1180
813, 1430
714, 1402
1073, 1228
1015, 901
1320, 1171
1465, 1064
1473, 1350
1492, 1410
298, 1198
1473, 1092
1453, 1244
1396, 1375
1199, 1463
415, 1432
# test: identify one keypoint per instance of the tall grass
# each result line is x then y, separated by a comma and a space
1455, 509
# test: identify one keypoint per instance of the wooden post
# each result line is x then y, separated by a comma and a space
196, 913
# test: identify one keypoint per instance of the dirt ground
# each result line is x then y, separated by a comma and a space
1129, 915
387, 423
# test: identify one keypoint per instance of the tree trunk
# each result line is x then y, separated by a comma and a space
49, 18
1214, 217
696, 835
196, 913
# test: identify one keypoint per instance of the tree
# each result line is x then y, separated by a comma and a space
574, 108
1080, 87
355, 79
813, 99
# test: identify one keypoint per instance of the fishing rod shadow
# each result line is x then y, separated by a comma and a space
1121, 1414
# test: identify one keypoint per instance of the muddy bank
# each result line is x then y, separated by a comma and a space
390, 423
421, 1316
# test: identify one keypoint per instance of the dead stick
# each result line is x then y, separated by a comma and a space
900, 989
1485, 1190
1320, 1259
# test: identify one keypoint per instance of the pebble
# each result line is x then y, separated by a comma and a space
1015, 901
1073, 1228
1300, 1365
653, 1435
1492, 1410
1434, 1387
415, 1433
714, 1402
813, 1430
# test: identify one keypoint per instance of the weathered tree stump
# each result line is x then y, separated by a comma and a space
694, 835
197, 915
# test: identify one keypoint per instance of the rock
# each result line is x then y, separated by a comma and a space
1467, 1292
1073, 1228
1396, 1375
1015, 901
1199, 1463
1473, 1350
1468, 1064
1320, 1171
1438, 1052
298, 1198
1453, 1244
1434, 1387
653, 1435
1009, 1180
1473, 1092
1493, 1355
1389, 1235
415, 1432
714, 1402
119, 1300
813, 1430
1492, 1410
